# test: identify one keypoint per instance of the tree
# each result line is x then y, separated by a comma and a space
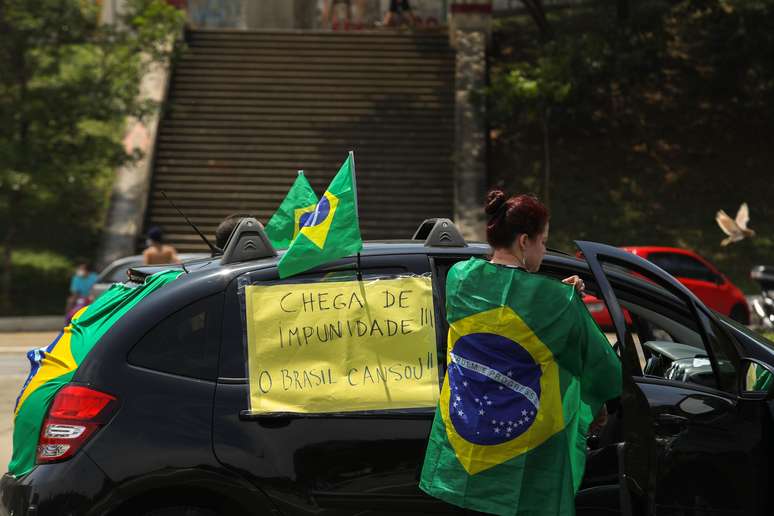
534, 89
67, 84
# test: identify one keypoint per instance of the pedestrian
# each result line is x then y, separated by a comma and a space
528, 374
398, 10
330, 16
157, 252
80, 289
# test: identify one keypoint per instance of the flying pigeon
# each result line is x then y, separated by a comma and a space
735, 229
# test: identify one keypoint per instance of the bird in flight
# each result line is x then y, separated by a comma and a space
736, 229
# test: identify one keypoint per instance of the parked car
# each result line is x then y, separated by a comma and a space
116, 271
690, 434
699, 275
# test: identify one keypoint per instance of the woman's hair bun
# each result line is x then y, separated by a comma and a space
494, 201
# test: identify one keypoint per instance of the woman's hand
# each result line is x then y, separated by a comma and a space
575, 281
599, 421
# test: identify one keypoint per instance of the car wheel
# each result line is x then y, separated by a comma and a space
181, 510
739, 314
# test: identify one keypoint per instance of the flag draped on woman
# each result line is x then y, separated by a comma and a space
332, 231
527, 371
297, 206
54, 366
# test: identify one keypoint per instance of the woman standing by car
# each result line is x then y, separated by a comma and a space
528, 370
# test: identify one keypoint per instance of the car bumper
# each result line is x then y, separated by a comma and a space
68, 488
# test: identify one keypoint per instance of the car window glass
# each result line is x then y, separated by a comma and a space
361, 330
670, 343
185, 343
682, 266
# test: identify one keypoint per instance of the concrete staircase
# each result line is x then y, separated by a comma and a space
246, 109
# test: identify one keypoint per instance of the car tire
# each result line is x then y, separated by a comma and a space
740, 314
181, 510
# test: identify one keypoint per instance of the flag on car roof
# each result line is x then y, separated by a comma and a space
52, 367
332, 231
297, 206
528, 369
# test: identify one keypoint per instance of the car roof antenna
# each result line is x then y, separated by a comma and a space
213, 248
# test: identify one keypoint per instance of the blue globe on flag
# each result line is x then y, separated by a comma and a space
316, 217
494, 388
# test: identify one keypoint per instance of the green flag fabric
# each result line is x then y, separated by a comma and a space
528, 369
287, 221
332, 231
54, 366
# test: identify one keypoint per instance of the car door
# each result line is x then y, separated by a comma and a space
345, 463
692, 444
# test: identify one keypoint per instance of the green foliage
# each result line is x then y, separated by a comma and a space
41, 281
67, 85
667, 119
592, 62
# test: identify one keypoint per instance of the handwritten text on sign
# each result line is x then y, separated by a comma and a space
341, 346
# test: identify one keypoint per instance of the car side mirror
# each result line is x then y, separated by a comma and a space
757, 380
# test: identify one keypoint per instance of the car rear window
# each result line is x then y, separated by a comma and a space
186, 343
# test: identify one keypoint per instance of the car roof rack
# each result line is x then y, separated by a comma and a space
247, 242
439, 233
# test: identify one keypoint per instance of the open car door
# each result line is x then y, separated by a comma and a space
693, 442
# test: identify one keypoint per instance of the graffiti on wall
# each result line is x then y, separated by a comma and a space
216, 14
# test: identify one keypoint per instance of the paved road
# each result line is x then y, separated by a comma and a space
14, 368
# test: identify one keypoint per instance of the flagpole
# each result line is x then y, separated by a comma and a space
354, 182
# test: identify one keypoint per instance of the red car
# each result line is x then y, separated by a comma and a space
700, 276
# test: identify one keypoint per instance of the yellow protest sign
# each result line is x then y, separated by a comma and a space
341, 346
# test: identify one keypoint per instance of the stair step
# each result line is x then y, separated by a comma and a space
182, 132
342, 75
319, 104
339, 52
385, 127
204, 81
364, 61
332, 95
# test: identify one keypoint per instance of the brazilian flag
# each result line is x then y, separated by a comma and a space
332, 231
528, 369
291, 215
55, 365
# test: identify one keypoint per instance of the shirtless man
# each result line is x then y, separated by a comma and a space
158, 253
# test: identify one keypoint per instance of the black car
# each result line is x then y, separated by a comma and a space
689, 436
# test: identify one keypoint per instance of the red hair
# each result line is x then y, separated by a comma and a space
508, 217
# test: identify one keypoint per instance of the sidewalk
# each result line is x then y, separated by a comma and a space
21, 342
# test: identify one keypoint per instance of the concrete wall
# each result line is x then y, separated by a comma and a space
129, 197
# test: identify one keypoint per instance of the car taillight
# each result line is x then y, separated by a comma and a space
76, 413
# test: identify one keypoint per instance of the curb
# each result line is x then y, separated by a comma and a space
31, 323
